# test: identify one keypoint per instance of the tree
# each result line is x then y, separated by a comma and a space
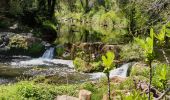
108, 64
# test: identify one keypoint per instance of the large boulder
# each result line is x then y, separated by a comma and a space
84, 95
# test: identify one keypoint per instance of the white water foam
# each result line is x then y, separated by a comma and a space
121, 72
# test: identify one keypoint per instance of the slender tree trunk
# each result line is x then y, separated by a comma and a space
164, 54
52, 9
108, 85
150, 79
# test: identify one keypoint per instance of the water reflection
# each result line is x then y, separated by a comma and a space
88, 33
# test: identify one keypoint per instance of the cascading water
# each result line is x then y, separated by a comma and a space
121, 72
48, 54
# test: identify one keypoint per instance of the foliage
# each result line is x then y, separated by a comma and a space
160, 77
139, 70
131, 51
108, 61
147, 45
84, 66
161, 36
18, 41
35, 48
29, 90
135, 95
49, 25
79, 64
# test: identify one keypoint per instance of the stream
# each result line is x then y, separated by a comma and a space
58, 70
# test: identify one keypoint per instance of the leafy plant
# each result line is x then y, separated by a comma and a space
147, 46
135, 95
161, 41
160, 76
108, 64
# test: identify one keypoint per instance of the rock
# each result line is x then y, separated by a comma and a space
84, 95
117, 79
65, 97
105, 97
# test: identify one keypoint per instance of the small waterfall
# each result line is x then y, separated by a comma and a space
48, 54
121, 72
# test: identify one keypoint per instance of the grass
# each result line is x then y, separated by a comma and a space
27, 90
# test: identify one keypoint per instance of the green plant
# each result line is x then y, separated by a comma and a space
108, 65
161, 41
18, 41
79, 64
135, 95
160, 78
147, 46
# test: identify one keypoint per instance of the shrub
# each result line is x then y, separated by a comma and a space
84, 66
18, 41
131, 51
139, 70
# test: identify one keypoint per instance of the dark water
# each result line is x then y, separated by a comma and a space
71, 33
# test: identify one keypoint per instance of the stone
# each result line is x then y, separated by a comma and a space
117, 79
105, 97
84, 95
65, 97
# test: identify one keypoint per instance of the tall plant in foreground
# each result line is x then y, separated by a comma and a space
161, 41
147, 45
108, 64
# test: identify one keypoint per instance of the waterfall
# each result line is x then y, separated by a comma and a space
48, 54
121, 72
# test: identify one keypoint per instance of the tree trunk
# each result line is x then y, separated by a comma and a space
108, 85
150, 79
52, 9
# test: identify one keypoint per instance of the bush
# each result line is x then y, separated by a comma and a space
35, 49
139, 70
84, 66
18, 41
131, 51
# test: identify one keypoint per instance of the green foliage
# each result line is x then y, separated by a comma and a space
4, 23
79, 64
131, 51
35, 48
147, 45
139, 70
26, 90
161, 36
135, 95
83, 66
18, 41
108, 61
49, 25
89, 86
160, 78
